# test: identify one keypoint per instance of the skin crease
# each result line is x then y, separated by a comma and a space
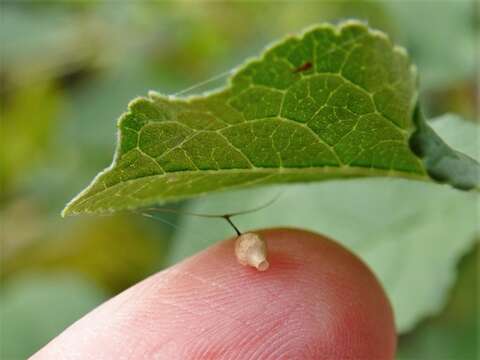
316, 301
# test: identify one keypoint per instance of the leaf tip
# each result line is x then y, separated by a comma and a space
66, 211
69, 209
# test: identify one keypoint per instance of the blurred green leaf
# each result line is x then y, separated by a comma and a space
454, 334
335, 103
411, 234
453, 23
27, 127
36, 308
115, 252
41, 44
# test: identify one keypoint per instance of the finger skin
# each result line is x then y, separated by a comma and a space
316, 301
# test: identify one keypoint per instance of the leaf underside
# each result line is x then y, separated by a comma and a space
336, 102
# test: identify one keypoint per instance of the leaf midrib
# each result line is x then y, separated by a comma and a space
354, 171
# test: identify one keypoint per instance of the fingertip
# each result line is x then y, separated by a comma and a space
315, 301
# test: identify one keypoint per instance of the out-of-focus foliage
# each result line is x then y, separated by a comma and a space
111, 255
69, 68
21, 153
35, 308
429, 36
454, 334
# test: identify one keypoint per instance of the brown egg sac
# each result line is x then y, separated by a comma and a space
251, 250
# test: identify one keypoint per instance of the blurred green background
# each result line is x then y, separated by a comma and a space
68, 70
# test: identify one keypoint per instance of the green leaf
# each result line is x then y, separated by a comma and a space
410, 234
442, 162
335, 102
